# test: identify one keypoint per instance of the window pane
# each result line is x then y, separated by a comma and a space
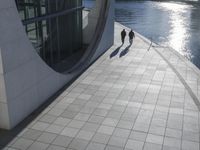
58, 39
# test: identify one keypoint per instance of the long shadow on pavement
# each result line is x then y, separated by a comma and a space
125, 51
115, 52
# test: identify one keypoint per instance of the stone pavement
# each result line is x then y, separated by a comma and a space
129, 99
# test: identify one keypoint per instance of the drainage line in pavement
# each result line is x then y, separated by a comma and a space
196, 100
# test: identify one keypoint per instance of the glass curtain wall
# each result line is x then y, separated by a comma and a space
55, 29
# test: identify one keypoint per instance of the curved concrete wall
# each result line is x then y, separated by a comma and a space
25, 80
90, 29
91, 20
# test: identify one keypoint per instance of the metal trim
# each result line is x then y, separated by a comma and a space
48, 16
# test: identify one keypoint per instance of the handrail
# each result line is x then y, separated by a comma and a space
150, 45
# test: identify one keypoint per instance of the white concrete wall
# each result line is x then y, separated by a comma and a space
25, 80
85, 19
28, 80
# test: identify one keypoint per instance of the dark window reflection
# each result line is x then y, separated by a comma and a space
55, 29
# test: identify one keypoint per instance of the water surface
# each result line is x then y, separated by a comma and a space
168, 23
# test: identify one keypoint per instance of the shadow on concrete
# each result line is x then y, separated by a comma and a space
115, 52
125, 51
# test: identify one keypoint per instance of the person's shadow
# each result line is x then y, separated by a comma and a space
125, 51
115, 52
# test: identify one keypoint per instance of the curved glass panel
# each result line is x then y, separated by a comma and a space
55, 29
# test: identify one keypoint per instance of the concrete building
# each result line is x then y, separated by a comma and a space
45, 44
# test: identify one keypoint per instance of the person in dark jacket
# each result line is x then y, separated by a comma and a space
123, 35
131, 36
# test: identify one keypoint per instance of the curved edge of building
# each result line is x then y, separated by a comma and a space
26, 81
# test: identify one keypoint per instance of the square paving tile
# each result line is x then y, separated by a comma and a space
125, 124
38, 146
173, 133
47, 137
117, 141
134, 145
113, 148
70, 132
48, 118
76, 124
157, 130
62, 121
85, 135
139, 136
151, 146
172, 142
106, 130
54, 129
96, 119
188, 145
123, 133
41, 126
156, 139
78, 144
101, 138
110, 122
91, 127
62, 141
22, 143
54, 147
69, 114
82, 117
31, 134
95, 146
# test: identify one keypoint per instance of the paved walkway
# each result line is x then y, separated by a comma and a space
129, 99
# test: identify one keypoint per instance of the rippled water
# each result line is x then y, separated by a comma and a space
174, 24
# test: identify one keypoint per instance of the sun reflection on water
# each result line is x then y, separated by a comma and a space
178, 14
169, 23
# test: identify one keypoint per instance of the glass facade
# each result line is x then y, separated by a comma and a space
55, 29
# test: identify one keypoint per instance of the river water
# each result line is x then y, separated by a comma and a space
168, 23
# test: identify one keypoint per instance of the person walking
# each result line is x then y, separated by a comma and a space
131, 36
123, 35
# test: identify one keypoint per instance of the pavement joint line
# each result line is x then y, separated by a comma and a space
194, 97
194, 68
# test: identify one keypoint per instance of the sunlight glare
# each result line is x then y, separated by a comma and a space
178, 33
